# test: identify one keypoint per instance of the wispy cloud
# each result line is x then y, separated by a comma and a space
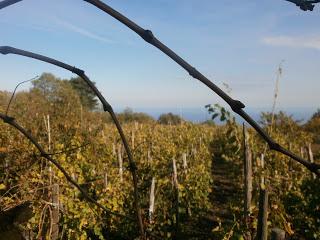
84, 32
296, 42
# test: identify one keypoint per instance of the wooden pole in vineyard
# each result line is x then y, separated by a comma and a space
278, 234
120, 162
55, 212
185, 168
310, 157
176, 202
262, 180
132, 139
262, 231
105, 178
185, 164
54, 194
247, 176
152, 199
302, 152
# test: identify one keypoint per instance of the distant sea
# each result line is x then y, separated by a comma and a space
198, 115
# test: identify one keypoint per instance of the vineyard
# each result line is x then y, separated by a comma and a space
181, 193
73, 169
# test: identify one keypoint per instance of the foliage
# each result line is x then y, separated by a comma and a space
293, 200
87, 96
128, 116
303, 207
170, 119
313, 127
88, 147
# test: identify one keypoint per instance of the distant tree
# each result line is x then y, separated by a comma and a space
170, 119
316, 114
128, 115
87, 96
280, 119
55, 90
209, 122
313, 126
55, 96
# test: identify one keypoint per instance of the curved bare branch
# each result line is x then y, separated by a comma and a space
235, 105
107, 108
11, 121
6, 3
14, 91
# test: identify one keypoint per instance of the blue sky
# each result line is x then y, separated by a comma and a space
240, 43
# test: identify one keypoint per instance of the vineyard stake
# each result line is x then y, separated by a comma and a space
277, 234
310, 157
152, 199
247, 176
262, 233
176, 199
55, 212
120, 163
185, 164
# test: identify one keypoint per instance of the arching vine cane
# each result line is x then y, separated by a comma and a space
6, 3
107, 108
11, 121
235, 105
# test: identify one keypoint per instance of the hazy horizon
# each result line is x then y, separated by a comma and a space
200, 114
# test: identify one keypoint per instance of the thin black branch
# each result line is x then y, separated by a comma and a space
235, 105
14, 92
107, 108
6, 3
11, 121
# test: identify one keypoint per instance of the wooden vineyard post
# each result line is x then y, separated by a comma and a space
53, 195
278, 234
132, 139
185, 164
302, 152
152, 199
176, 200
175, 173
262, 180
55, 212
120, 162
310, 157
247, 176
105, 178
262, 231
185, 168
